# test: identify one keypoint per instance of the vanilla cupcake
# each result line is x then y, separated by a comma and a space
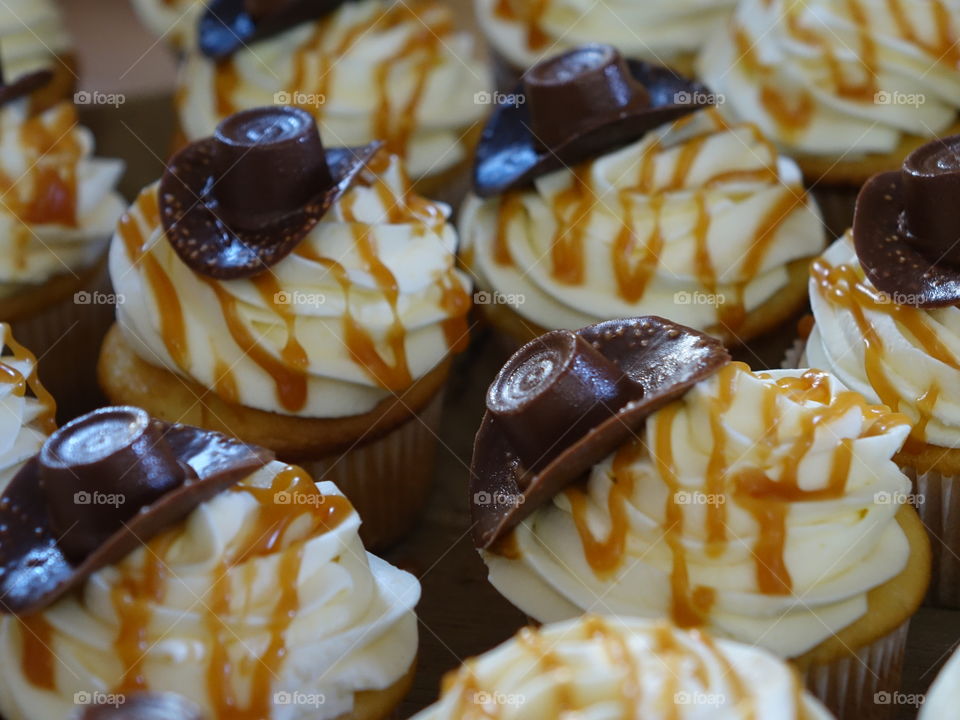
192, 564
56, 217
620, 668
845, 88
27, 410
174, 21
764, 507
523, 32
884, 300
661, 209
367, 70
317, 316
32, 38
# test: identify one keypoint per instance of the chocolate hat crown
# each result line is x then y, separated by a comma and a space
573, 107
102, 485
566, 400
240, 201
906, 227
23, 86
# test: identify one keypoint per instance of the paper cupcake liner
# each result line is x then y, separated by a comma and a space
862, 686
66, 338
938, 505
794, 355
836, 205
387, 480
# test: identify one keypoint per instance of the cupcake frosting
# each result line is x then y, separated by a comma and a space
26, 417
59, 204
367, 303
906, 357
614, 668
524, 31
262, 592
31, 32
697, 221
173, 20
372, 69
944, 694
839, 77
759, 505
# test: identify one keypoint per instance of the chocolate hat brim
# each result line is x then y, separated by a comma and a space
34, 572
225, 26
508, 155
24, 85
888, 259
209, 246
664, 358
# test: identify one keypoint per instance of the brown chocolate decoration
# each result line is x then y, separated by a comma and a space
23, 86
574, 107
236, 203
906, 227
145, 706
228, 25
566, 400
102, 485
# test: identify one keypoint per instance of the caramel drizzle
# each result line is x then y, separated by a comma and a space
529, 13
46, 420
767, 500
844, 286
37, 659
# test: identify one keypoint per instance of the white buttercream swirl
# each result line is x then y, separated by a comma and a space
839, 77
616, 668
324, 295
699, 491
371, 70
710, 210
31, 34
352, 627
943, 697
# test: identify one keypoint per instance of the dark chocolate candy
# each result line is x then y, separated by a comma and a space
102, 485
236, 203
24, 85
906, 227
574, 107
566, 400
145, 706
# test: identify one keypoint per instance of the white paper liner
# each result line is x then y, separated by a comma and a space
939, 512
794, 355
387, 480
860, 686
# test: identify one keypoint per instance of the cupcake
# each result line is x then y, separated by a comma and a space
629, 469
366, 70
847, 89
593, 202
58, 210
941, 699
884, 300
139, 556
313, 311
28, 410
32, 38
619, 668
522, 32
173, 21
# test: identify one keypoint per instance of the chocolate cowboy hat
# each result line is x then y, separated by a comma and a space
566, 400
906, 227
23, 86
102, 485
573, 107
240, 201
227, 25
